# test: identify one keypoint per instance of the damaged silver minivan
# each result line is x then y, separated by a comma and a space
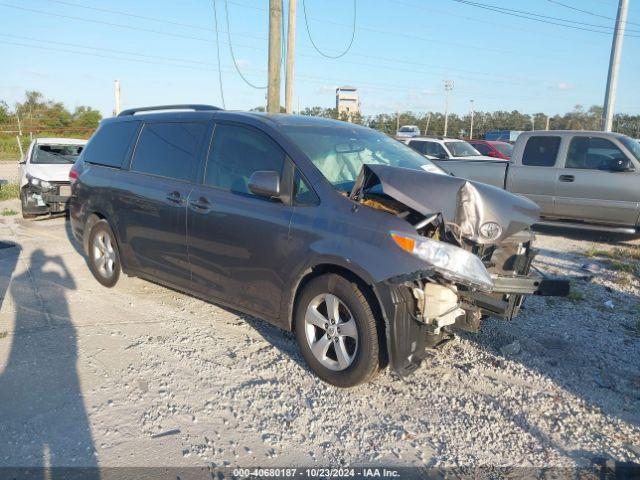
361, 246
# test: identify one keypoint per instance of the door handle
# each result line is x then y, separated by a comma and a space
174, 197
567, 178
201, 205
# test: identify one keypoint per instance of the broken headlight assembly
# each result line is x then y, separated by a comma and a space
453, 263
36, 182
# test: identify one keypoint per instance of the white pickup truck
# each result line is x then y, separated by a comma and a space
579, 179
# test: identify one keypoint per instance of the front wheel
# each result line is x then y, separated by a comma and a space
25, 206
337, 331
104, 259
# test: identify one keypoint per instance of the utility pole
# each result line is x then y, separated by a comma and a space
614, 65
546, 125
471, 127
533, 122
116, 86
426, 129
275, 55
448, 86
291, 49
397, 121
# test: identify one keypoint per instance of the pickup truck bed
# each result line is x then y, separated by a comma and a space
579, 179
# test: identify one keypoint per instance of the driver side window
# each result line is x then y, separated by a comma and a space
236, 153
592, 153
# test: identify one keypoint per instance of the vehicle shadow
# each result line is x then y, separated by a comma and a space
588, 235
43, 421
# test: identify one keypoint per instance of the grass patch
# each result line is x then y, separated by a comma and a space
619, 259
575, 295
8, 212
9, 192
619, 253
625, 267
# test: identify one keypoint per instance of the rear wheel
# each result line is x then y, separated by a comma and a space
104, 259
336, 331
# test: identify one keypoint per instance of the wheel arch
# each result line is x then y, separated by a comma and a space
352, 276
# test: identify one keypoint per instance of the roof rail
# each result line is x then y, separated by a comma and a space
194, 107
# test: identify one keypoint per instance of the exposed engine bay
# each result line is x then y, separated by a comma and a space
477, 249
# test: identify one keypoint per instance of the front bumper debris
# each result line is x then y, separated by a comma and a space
53, 200
412, 329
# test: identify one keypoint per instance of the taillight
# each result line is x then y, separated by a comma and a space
73, 175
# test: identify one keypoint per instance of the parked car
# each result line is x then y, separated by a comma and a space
329, 229
580, 179
44, 175
442, 148
488, 148
408, 131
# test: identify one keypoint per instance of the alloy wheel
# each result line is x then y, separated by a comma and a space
331, 332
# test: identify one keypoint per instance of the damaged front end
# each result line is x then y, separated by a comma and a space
41, 196
476, 246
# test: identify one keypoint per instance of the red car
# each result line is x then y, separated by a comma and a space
492, 148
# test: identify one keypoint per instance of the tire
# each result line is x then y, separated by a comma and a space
23, 201
341, 359
104, 258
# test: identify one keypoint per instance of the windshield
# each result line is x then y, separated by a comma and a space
461, 149
56, 153
505, 148
407, 129
632, 145
340, 152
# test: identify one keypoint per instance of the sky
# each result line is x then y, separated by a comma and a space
165, 52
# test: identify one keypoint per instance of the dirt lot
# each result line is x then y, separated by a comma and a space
141, 375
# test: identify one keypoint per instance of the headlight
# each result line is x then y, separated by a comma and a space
36, 182
453, 263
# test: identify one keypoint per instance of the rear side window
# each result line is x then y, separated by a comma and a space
541, 151
236, 153
169, 149
434, 149
110, 144
482, 148
417, 146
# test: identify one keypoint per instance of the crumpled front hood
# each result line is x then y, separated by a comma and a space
50, 172
463, 203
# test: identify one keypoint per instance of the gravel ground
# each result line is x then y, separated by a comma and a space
141, 375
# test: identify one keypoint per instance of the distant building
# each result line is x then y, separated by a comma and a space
347, 101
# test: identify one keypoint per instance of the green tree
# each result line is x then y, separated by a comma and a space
86, 117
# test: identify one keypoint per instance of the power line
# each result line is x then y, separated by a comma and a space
311, 79
353, 33
233, 57
588, 12
215, 23
542, 19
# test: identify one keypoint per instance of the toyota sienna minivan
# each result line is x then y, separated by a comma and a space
352, 240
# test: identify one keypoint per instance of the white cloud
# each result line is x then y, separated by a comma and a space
564, 86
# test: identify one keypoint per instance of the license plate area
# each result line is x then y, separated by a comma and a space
65, 190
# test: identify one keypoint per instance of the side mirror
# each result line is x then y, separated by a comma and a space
265, 184
621, 165
442, 156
